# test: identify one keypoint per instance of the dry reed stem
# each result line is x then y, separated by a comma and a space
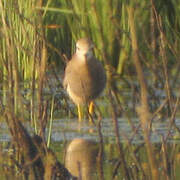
143, 110
119, 145
101, 150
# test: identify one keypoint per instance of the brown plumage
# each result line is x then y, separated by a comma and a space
85, 76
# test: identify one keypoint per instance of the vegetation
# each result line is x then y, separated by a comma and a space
138, 43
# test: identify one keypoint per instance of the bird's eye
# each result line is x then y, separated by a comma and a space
77, 48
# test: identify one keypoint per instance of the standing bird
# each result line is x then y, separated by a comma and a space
85, 77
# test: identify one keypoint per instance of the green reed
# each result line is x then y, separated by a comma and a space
22, 55
17, 41
97, 20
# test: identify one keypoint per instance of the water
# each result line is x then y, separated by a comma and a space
83, 151
68, 129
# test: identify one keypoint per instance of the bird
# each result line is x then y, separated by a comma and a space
85, 76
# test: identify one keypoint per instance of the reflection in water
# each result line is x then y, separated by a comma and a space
80, 158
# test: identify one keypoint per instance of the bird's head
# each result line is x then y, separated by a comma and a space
84, 47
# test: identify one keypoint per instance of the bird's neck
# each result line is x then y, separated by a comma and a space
83, 57
89, 55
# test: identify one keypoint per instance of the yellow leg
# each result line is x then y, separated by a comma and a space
91, 108
79, 113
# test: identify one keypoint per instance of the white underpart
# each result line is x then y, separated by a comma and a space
76, 99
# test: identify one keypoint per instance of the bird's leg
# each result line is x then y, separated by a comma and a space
79, 113
90, 111
91, 108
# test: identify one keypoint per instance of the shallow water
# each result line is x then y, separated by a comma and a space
68, 129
